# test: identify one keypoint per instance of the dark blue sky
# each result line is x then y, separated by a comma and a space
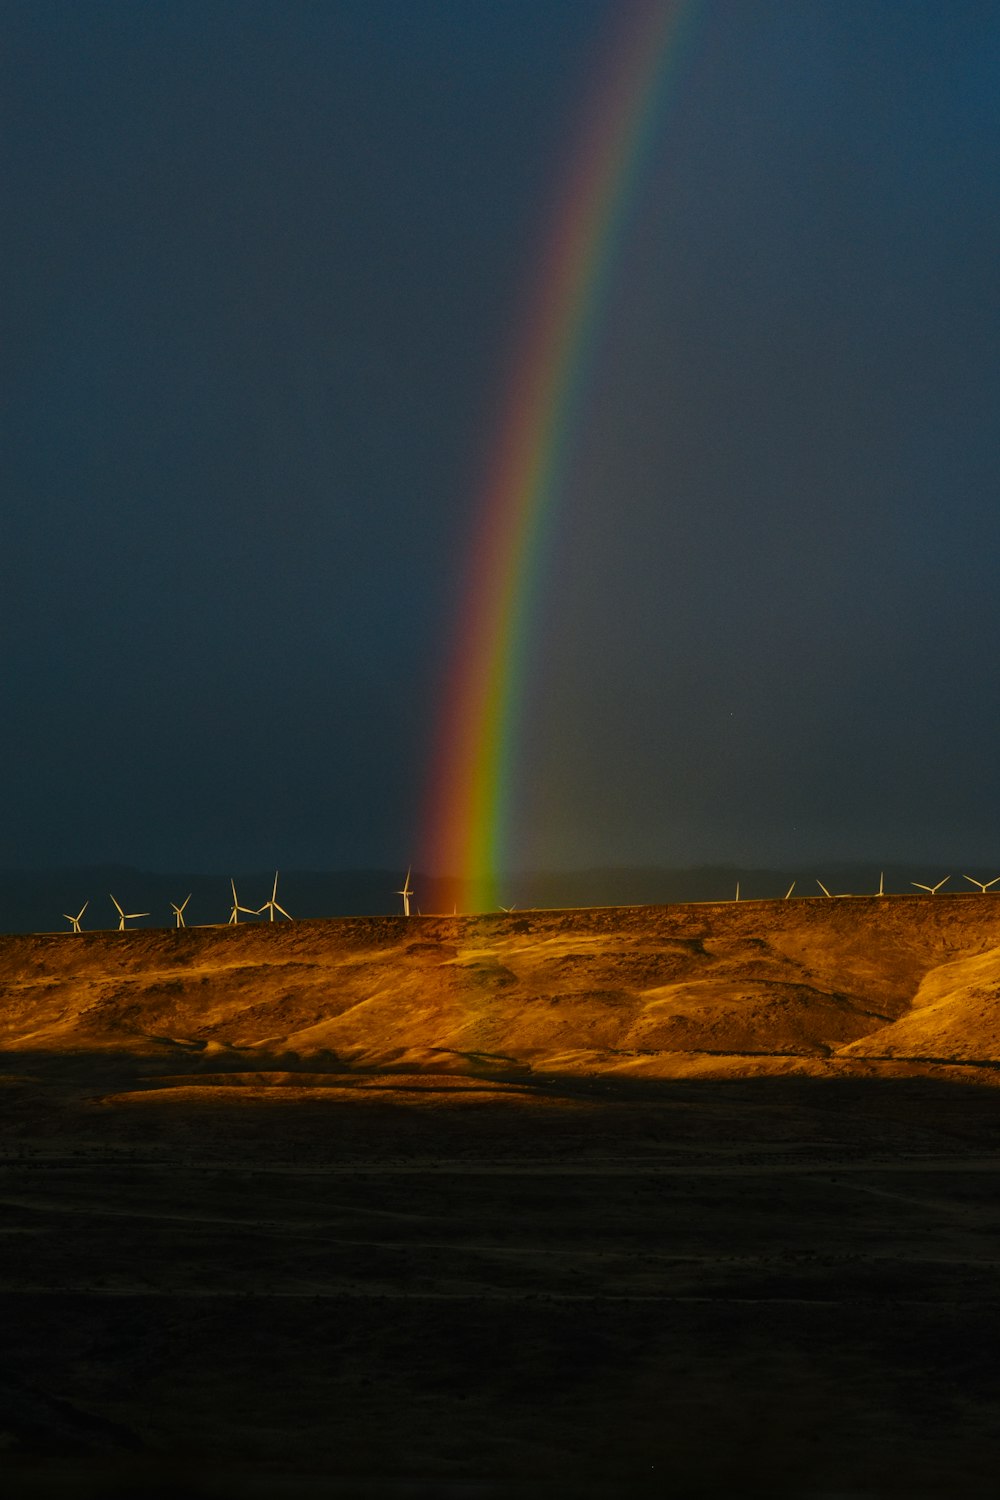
263, 263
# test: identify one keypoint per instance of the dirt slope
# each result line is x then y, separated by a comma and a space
656, 990
955, 1014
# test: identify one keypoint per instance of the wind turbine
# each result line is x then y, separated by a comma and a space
931, 889
126, 916
234, 915
789, 891
272, 905
74, 922
983, 885
508, 909
406, 893
178, 911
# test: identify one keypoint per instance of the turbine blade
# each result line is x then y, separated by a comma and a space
790, 890
274, 888
117, 907
824, 889
284, 913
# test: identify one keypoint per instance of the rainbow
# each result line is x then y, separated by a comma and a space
473, 770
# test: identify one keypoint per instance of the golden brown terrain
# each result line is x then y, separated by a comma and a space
687, 1200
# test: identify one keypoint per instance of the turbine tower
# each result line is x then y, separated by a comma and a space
234, 914
931, 889
272, 906
983, 885
126, 916
74, 922
178, 911
406, 893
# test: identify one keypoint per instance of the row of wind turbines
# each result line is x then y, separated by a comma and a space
932, 890
981, 885
272, 906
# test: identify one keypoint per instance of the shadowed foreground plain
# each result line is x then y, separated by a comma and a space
681, 1201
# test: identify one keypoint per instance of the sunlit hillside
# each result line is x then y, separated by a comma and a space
813, 986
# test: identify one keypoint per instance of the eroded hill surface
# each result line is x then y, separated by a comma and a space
655, 991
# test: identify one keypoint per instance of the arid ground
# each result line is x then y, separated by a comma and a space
680, 1201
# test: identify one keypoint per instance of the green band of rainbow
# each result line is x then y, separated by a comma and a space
473, 775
